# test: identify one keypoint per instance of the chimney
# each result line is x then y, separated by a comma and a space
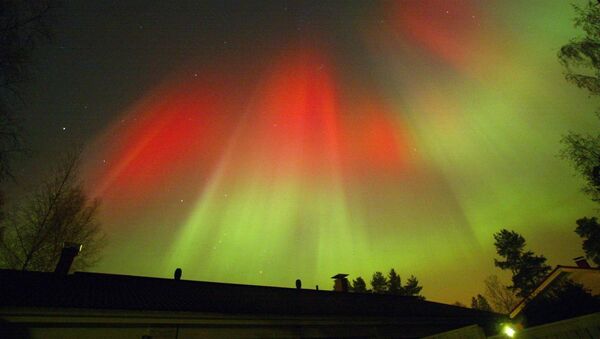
581, 262
69, 252
341, 283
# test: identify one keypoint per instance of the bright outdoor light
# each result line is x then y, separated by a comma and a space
509, 331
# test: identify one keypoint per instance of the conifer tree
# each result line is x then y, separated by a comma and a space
581, 60
379, 283
480, 303
589, 230
412, 287
359, 285
527, 268
394, 285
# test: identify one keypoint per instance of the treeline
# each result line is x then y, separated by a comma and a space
392, 284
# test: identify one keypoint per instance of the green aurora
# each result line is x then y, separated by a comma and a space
398, 134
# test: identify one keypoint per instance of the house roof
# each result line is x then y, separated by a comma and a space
589, 277
122, 292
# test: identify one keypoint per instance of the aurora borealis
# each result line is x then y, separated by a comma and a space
261, 143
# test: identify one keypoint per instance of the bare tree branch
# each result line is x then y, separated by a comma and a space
59, 211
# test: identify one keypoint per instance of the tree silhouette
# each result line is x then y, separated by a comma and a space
394, 285
527, 268
359, 285
589, 230
581, 57
412, 287
583, 151
480, 303
390, 285
379, 283
502, 298
23, 24
581, 60
33, 235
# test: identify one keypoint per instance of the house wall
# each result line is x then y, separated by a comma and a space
192, 333
109, 331
148, 325
471, 332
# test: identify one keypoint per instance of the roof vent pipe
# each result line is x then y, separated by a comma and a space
69, 252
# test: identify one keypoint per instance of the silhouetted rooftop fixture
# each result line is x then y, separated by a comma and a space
69, 252
177, 274
582, 262
298, 284
341, 283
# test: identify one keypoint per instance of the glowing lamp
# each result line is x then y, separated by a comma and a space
509, 331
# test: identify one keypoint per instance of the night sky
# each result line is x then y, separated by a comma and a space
261, 143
